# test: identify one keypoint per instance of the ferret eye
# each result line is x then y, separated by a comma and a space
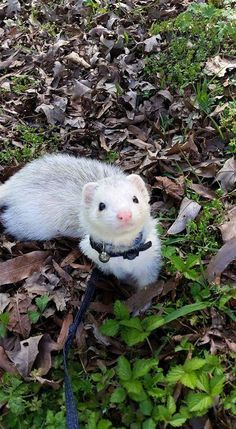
101, 206
135, 200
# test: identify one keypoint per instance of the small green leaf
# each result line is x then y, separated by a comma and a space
33, 316
134, 322
170, 405
192, 260
152, 322
121, 311
104, 424
199, 401
203, 382
149, 424
118, 395
42, 302
110, 328
146, 407
133, 386
138, 397
217, 384
189, 379
178, 263
194, 364
160, 413
177, 420
142, 367
124, 369
175, 374
132, 336
156, 392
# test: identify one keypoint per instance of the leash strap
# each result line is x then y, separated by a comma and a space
72, 421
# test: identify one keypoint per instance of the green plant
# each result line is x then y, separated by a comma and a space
228, 121
134, 331
188, 46
23, 82
41, 303
111, 156
24, 405
4, 319
143, 394
35, 142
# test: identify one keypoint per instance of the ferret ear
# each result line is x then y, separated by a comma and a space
139, 183
88, 192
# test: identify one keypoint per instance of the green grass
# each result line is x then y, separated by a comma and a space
35, 141
187, 44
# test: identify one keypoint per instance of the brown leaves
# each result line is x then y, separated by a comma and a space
220, 262
14, 270
228, 229
227, 175
174, 188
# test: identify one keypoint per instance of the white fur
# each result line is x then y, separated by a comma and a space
53, 196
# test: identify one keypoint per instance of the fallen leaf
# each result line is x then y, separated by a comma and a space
19, 321
220, 261
25, 357
6, 63
227, 175
228, 229
51, 383
73, 56
4, 301
68, 320
188, 211
44, 359
5, 363
203, 191
174, 188
152, 44
14, 270
218, 65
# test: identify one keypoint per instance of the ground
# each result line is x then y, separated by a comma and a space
149, 86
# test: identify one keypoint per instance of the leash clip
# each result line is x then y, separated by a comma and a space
104, 256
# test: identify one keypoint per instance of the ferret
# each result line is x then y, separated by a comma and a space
61, 195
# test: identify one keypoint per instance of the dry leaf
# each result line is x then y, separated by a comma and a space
25, 357
188, 211
44, 359
228, 229
14, 270
227, 175
203, 191
219, 66
171, 187
5, 363
152, 44
19, 321
4, 301
220, 261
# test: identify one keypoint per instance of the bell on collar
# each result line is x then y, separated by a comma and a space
104, 257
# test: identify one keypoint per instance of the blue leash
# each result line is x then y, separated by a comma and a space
72, 421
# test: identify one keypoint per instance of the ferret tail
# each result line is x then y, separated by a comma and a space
3, 193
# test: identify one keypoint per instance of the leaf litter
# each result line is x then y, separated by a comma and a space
80, 75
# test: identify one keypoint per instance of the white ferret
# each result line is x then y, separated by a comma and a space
60, 195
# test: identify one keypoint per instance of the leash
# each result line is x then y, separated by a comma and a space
72, 421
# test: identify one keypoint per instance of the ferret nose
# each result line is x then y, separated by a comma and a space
124, 215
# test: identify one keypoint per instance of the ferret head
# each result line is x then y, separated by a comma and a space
115, 209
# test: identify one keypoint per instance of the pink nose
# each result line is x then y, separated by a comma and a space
124, 215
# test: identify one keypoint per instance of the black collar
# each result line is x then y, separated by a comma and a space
105, 249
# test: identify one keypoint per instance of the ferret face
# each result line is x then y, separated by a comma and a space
116, 207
